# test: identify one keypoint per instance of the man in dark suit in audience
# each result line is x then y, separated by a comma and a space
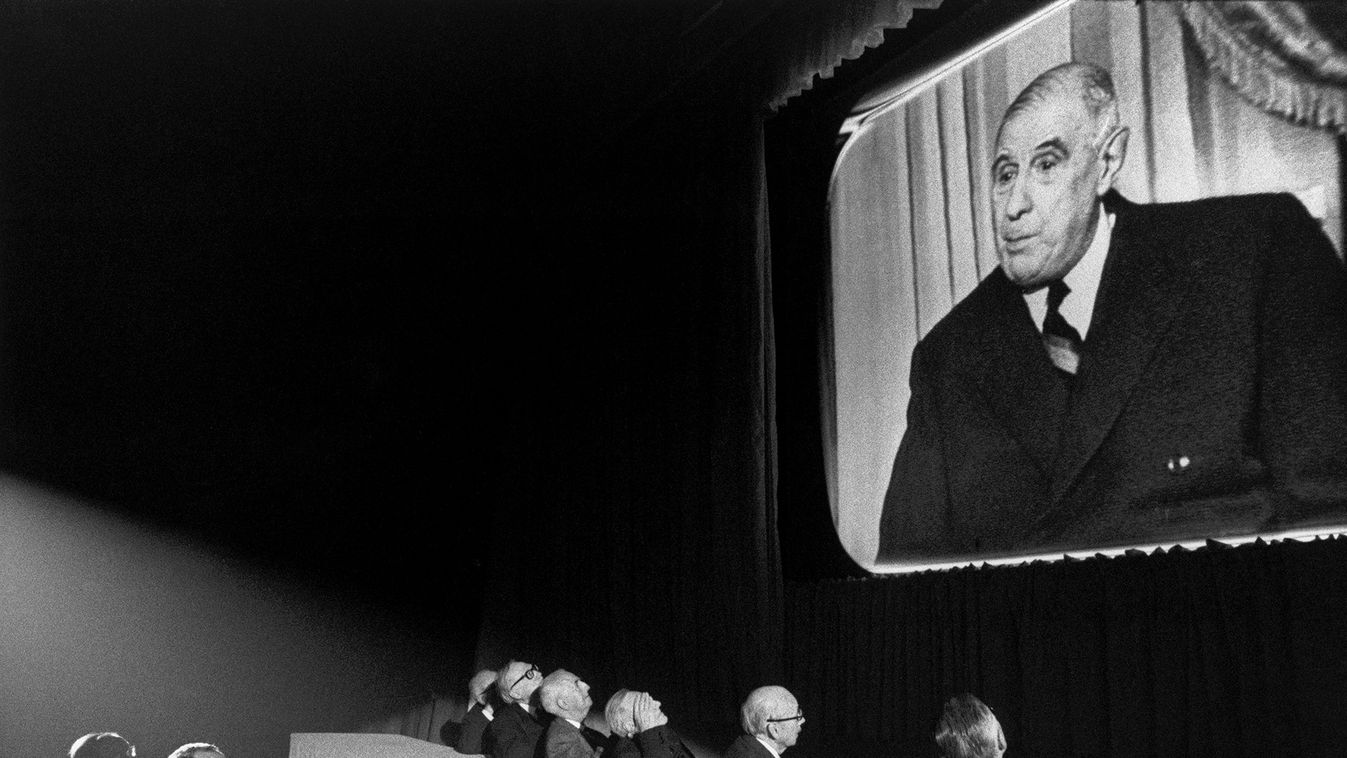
772, 719
640, 728
474, 736
566, 697
516, 730
969, 729
1129, 373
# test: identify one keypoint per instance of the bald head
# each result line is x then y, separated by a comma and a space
102, 745
565, 694
773, 714
1087, 83
969, 729
197, 750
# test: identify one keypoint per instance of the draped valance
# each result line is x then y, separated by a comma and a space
807, 41
1287, 58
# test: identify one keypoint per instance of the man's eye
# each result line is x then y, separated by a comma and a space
1045, 164
1005, 176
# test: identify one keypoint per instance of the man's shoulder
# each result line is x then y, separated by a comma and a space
561, 729
990, 301
1208, 213
746, 746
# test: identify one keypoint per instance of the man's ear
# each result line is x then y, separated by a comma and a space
1112, 154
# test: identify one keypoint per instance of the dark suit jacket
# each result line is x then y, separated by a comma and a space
516, 733
747, 746
621, 747
565, 740
661, 742
474, 737
1211, 398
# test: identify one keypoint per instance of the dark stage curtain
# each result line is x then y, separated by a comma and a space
634, 536
1218, 651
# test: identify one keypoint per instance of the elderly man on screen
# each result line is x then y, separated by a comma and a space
566, 697
640, 728
772, 719
515, 730
969, 729
1129, 373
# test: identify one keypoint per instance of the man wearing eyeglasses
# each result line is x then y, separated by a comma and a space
772, 719
516, 729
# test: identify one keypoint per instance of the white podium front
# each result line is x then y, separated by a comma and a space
336, 745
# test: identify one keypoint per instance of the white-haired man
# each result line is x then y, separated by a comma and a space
474, 736
1129, 373
771, 718
640, 728
566, 697
969, 729
515, 729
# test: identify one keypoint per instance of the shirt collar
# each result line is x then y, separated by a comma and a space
1083, 279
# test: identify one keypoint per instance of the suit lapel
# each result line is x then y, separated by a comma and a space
1015, 374
1138, 297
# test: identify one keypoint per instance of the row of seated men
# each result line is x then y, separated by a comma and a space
503, 721
113, 745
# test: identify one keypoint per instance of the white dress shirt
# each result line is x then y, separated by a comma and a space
1083, 279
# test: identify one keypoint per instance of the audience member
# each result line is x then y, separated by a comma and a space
197, 750
622, 725
566, 697
969, 729
515, 729
474, 737
640, 729
772, 720
102, 745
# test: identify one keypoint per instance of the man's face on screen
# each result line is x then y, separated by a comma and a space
1046, 184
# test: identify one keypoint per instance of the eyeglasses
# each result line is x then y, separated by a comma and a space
797, 717
532, 672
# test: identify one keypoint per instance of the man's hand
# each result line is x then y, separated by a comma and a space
646, 713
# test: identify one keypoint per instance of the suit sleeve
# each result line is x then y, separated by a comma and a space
916, 504
470, 736
1303, 367
511, 743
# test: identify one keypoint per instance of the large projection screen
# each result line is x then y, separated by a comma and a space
912, 235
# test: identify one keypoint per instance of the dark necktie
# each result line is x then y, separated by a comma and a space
1061, 339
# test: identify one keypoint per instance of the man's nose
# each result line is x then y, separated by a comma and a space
1018, 201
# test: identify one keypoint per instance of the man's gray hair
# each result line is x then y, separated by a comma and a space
553, 688
620, 713
757, 708
1091, 83
969, 729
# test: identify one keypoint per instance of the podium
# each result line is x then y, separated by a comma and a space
337, 745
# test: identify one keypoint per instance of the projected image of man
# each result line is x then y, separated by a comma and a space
1129, 373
